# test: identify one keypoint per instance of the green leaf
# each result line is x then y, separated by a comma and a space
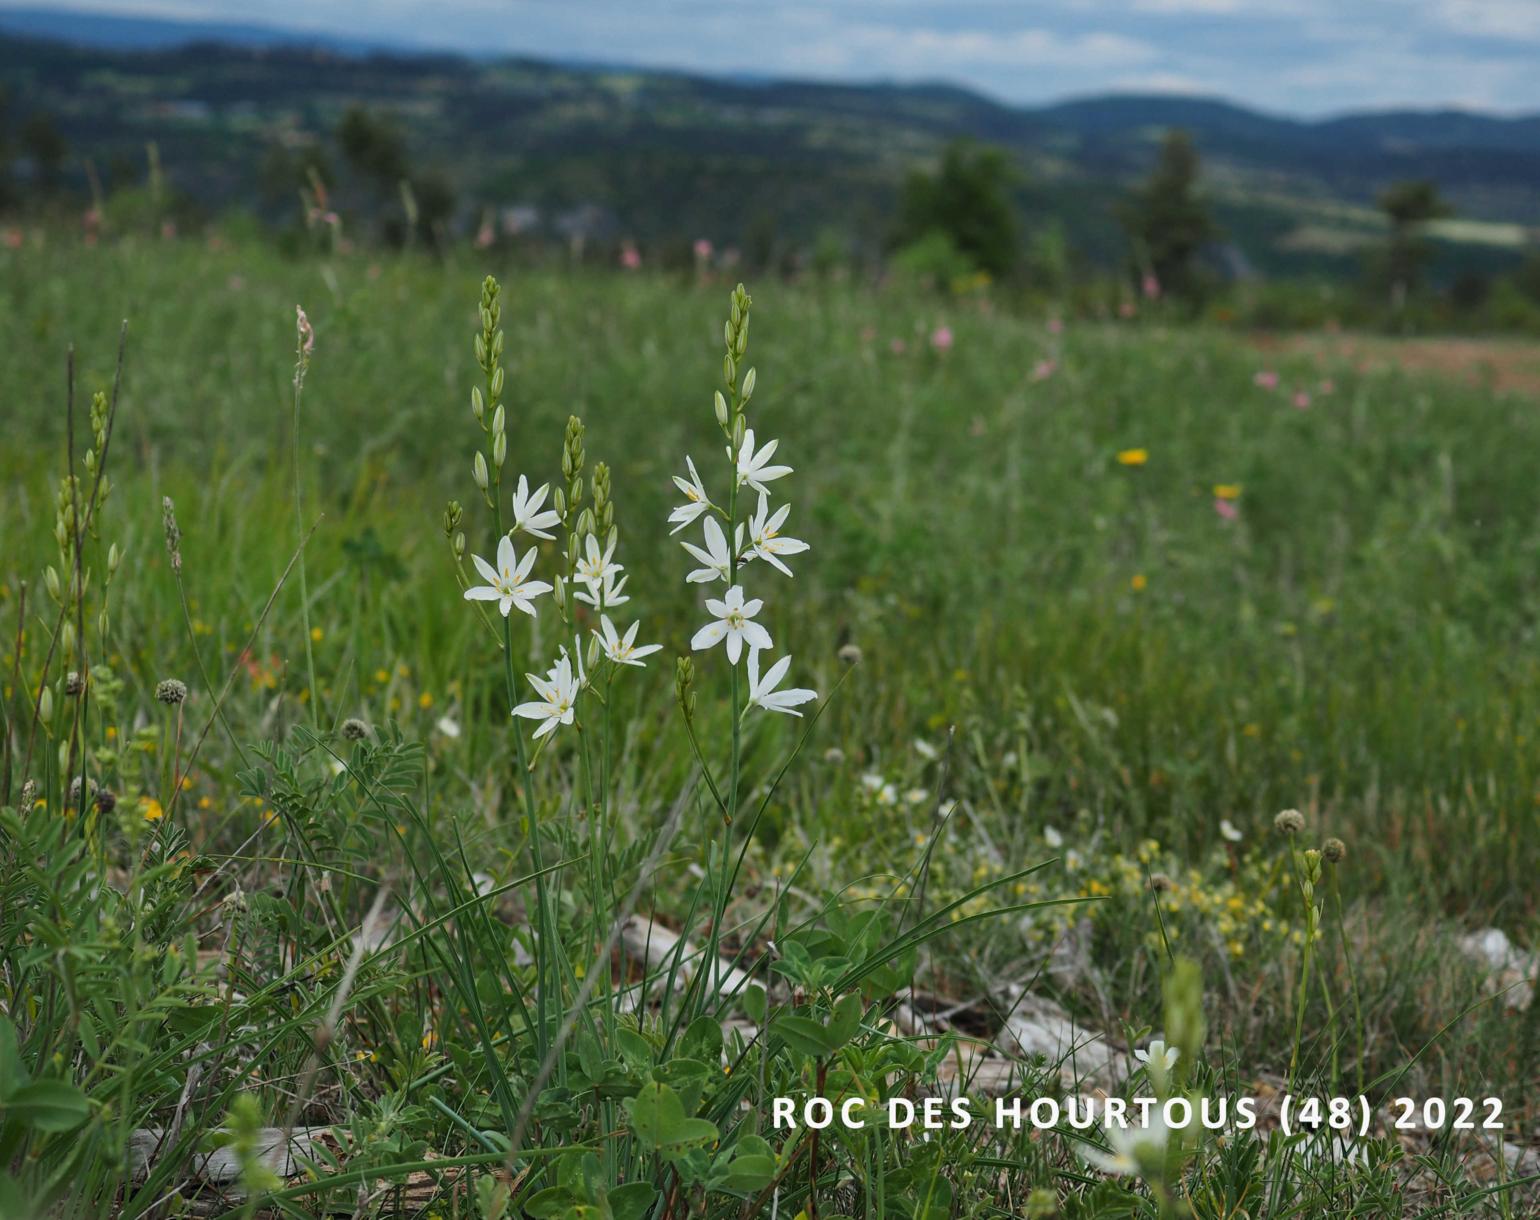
658, 1120
632, 1201
703, 1040
48, 1105
802, 1034
13, 1072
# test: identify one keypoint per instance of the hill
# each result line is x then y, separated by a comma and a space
659, 156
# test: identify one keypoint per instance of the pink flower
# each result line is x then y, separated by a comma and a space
1043, 370
1266, 379
702, 249
1302, 400
897, 347
1327, 386
305, 330
941, 338
1226, 510
630, 257
1150, 287
1055, 326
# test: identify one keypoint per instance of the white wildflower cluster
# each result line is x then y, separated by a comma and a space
589, 570
755, 535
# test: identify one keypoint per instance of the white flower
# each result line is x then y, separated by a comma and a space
609, 594
881, 790
624, 650
765, 539
695, 493
925, 750
558, 693
448, 727
1052, 837
526, 510
505, 583
1228, 831
594, 568
715, 560
1160, 1057
1132, 1147
751, 466
916, 796
762, 692
733, 623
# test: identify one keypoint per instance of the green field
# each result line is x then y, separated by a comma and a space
1077, 619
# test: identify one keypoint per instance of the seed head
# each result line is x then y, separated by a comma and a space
28, 793
74, 796
170, 691
850, 654
1290, 821
354, 729
1160, 883
106, 800
1334, 851
74, 685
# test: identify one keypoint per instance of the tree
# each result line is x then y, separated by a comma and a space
46, 148
1168, 221
968, 201
374, 148
1408, 206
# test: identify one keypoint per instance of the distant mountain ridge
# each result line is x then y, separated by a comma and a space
670, 155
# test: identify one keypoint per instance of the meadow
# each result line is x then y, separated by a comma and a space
1087, 603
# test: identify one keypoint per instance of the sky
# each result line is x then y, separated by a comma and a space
1298, 57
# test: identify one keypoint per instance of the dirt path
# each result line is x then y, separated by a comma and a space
1500, 364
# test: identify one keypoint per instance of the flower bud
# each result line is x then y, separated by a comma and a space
500, 448
1290, 821
67, 638
684, 686
497, 383
497, 346
479, 471
739, 425
1334, 851
480, 346
170, 691
593, 651
720, 403
559, 503
748, 385
459, 545
45, 706
499, 419
478, 408
559, 595
51, 580
114, 558
729, 371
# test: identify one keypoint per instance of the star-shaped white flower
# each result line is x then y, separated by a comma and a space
716, 559
624, 649
1133, 1148
762, 692
526, 510
734, 622
558, 693
753, 467
698, 501
506, 583
610, 592
1160, 1057
595, 566
765, 537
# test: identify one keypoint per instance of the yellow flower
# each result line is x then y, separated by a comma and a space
1139, 583
1227, 491
150, 809
382, 676
1133, 457
316, 634
425, 700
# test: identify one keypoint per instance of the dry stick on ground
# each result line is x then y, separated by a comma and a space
327, 1030
590, 981
251, 640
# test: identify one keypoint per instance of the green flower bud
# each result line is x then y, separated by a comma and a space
497, 383
729, 371
559, 595
478, 408
720, 403
748, 385
479, 471
500, 448
559, 503
459, 545
499, 419
51, 581
45, 706
739, 425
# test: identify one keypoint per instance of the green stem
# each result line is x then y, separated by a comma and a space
299, 533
